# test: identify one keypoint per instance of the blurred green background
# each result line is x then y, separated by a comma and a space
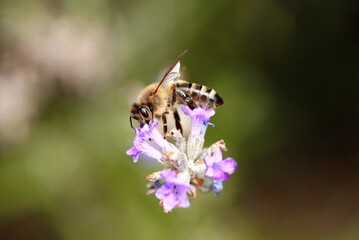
288, 72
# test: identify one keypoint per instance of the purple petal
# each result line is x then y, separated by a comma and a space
149, 127
150, 131
186, 110
145, 128
142, 146
133, 151
135, 157
200, 113
219, 175
139, 134
163, 191
228, 165
200, 117
168, 176
209, 172
169, 202
209, 160
154, 123
203, 114
183, 200
209, 114
147, 149
180, 184
217, 155
158, 138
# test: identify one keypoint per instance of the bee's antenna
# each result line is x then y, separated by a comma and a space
169, 70
131, 122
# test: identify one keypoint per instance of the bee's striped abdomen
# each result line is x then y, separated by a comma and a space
203, 96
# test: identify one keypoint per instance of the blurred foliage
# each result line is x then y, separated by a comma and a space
70, 69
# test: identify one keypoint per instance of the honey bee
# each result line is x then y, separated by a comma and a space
158, 100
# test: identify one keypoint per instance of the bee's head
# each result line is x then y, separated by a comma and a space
142, 113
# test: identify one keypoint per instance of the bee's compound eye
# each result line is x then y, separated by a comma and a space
144, 112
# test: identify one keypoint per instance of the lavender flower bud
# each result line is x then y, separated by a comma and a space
217, 186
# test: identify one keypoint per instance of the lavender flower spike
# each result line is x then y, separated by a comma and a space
193, 168
200, 118
217, 168
173, 192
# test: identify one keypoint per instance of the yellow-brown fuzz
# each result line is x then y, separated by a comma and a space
158, 100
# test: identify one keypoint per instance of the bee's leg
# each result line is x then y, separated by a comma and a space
192, 105
175, 113
173, 96
164, 120
178, 121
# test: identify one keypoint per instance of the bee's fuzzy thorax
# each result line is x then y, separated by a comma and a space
158, 100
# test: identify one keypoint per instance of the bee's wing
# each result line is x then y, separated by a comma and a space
173, 75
